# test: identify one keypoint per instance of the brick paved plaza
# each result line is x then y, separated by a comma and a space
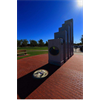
65, 83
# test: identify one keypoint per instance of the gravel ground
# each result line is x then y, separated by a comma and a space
77, 51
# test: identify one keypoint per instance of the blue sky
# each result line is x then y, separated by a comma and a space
41, 19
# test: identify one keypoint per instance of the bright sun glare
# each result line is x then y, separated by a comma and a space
80, 3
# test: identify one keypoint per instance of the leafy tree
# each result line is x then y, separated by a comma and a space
41, 43
28, 44
46, 44
24, 42
33, 43
82, 39
19, 42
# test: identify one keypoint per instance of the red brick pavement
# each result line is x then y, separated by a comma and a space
65, 83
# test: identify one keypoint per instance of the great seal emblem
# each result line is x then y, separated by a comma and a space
41, 73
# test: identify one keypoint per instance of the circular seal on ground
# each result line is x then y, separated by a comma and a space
41, 73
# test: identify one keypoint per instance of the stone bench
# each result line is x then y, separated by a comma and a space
20, 52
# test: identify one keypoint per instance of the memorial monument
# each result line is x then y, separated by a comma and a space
60, 49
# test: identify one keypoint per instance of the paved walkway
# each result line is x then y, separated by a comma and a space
65, 83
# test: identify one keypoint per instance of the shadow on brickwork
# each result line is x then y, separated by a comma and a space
27, 84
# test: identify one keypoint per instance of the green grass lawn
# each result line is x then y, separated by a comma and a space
32, 53
32, 48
